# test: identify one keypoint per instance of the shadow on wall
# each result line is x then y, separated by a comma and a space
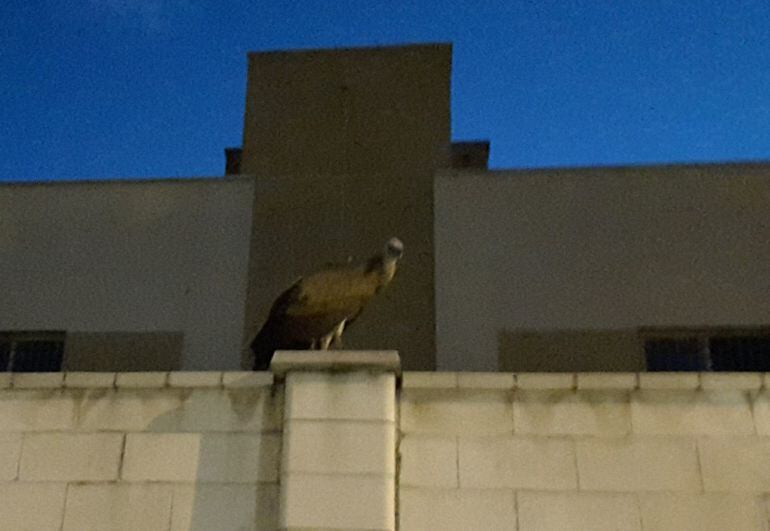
222, 446
203, 458
617, 350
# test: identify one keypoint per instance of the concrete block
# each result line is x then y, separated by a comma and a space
545, 380
10, 452
132, 409
647, 464
141, 379
89, 379
209, 457
337, 502
428, 461
607, 380
162, 457
342, 447
221, 506
701, 512
117, 507
422, 509
735, 464
37, 380
194, 379
453, 412
32, 506
691, 412
569, 511
36, 410
669, 380
340, 396
745, 381
565, 412
760, 411
429, 380
70, 456
503, 381
247, 379
521, 463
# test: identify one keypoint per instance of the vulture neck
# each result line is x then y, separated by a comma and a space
383, 267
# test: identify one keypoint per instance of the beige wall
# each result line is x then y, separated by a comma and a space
119, 257
344, 144
597, 249
562, 452
140, 452
528, 451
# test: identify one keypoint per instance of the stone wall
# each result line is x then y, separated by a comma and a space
149, 451
541, 452
444, 451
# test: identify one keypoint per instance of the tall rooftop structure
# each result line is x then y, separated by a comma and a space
344, 145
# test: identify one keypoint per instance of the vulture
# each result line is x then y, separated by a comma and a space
314, 311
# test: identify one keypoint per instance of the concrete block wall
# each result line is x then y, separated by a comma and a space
541, 452
340, 447
149, 451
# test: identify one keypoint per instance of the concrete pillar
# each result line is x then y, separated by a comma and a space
338, 461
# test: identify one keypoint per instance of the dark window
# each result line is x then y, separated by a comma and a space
750, 353
31, 351
707, 350
38, 356
676, 355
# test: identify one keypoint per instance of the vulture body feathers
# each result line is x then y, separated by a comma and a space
314, 311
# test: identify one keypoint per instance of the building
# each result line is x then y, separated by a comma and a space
555, 269
624, 269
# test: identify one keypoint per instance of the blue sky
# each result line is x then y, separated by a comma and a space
156, 88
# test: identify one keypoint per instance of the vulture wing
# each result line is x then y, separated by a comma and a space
273, 334
316, 307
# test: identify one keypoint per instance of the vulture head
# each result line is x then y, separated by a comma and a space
313, 312
394, 249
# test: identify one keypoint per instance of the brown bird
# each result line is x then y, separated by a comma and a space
315, 310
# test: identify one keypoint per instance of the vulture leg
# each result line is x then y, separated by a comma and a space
326, 340
337, 341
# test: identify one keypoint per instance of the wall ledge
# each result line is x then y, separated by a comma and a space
388, 361
589, 381
374, 361
136, 380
